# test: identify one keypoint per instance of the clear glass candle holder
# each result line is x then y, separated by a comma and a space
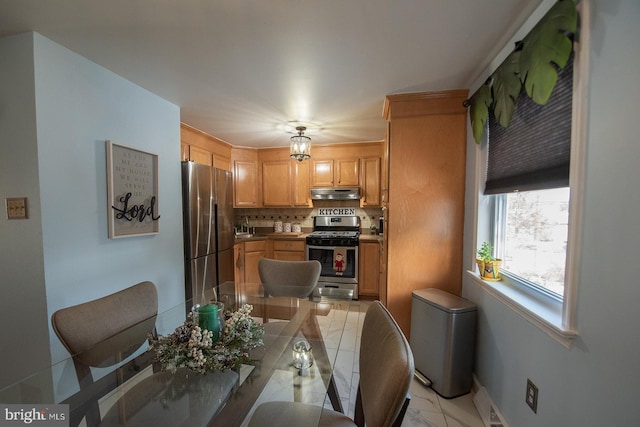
302, 357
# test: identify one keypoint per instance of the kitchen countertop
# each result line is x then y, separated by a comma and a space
364, 237
279, 236
367, 237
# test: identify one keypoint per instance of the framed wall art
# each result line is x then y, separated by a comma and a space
132, 191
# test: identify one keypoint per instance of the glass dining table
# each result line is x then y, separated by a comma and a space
139, 393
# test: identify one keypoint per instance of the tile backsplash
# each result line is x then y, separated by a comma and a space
265, 217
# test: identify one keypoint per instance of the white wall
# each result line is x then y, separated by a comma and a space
595, 383
79, 105
23, 303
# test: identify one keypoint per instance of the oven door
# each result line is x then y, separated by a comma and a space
337, 266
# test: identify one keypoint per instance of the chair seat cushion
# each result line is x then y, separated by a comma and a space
291, 414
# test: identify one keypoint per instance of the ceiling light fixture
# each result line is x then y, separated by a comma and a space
300, 146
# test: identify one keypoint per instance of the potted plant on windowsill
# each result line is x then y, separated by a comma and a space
488, 265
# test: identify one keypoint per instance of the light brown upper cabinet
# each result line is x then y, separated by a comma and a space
200, 155
245, 183
335, 173
222, 162
301, 183
184, 152
347, 173
276, 183
370, 181
199, 147
321, 173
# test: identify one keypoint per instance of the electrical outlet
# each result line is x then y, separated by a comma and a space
16, 208
532, 396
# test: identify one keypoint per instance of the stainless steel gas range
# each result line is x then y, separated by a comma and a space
334, 243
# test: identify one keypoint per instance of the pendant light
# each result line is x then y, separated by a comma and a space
300, 145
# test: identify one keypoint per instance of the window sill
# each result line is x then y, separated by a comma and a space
543, 312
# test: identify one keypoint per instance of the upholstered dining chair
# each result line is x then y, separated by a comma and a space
105, 331
386, 371
289, 278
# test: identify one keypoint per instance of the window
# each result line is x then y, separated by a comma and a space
531, 237
533, 215
528, 176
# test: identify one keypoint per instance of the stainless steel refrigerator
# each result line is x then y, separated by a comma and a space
207, 199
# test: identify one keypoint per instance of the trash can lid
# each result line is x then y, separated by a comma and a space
444, 300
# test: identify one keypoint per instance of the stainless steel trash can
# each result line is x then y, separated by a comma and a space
443, 329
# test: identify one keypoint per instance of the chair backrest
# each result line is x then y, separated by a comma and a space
289, 278
103, 332
99, 332
386, 368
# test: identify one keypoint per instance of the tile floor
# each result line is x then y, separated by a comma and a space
426, 407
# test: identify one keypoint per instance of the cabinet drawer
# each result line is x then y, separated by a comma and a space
289, 256
289, 245
255, 245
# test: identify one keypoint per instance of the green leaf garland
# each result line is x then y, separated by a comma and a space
546, 46
533, 64
506, 88
480, 102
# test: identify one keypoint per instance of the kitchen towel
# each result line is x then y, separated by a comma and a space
340, 260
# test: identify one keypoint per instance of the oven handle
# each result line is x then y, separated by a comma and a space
330, 247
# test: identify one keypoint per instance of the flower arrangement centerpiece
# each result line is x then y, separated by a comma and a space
197, 349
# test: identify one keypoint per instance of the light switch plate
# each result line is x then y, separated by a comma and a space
16, 208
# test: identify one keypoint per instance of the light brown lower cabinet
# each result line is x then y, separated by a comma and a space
369, 270
289, 250
238, 262
248, 254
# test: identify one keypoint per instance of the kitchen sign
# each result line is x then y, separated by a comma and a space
336, 212
132, 191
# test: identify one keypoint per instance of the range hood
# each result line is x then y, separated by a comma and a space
350, 193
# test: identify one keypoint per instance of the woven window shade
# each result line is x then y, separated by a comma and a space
533, 153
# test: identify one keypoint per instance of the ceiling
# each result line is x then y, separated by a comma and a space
248, 71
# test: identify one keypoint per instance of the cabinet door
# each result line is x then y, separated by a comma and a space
321, 173
301, 184
427, 144
369, 264
288, 256
245, 184
251, 274
289, 245
289, 250
222, 162
347, 173
184, 152
199, 155
238, 263
371, 181
276, 183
